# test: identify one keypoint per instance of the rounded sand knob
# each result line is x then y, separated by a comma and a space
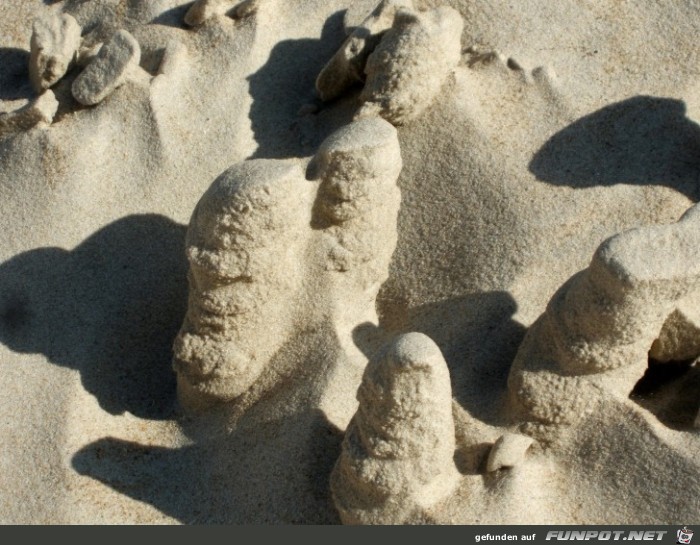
362, 149
55, 41
416, 350
358, 166
108, 69
508, 451
397, 456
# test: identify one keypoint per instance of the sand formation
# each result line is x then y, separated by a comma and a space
398, 450
402, 56
264, 243
288, 255
600, 326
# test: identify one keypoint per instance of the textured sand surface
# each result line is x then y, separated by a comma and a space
538, 244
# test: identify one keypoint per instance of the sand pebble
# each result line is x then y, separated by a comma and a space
41, 110
108, 70
54, 43
508, 451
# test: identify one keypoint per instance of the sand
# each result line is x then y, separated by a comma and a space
502, 208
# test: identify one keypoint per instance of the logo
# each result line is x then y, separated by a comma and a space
684, 536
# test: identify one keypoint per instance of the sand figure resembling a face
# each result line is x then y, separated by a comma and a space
358, 198
244, 246
272, 254
54, 44
601, 324
398, 449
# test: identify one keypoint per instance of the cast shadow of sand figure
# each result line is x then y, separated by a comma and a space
110, 308
216, 492
478, 339
642, 140
255, 474
267, 369
282, 86
174, 17
14, 77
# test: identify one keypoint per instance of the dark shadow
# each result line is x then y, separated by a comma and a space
472, 459
669, 390
642, 140
265, 459
110, 308
478, 338
370, 339
174, 17
283, 85
14, 75
276, 473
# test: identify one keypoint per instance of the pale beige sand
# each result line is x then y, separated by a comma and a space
563, 124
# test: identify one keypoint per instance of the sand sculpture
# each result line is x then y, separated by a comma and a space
264, 243
283, 252
600, 326
55, 42
397, 457
403, 57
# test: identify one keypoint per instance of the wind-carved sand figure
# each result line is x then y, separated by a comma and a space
354, 218
108, 70
397, 455
593, 340
403, 56
53, 49
271, 253
245, 246
347, 67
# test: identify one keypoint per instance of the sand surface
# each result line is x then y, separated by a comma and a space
563, 124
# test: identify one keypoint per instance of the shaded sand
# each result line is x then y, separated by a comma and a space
559, 126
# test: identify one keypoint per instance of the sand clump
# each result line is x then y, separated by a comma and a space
39, 111
252, 240
402, 56
347, 67
410, 65
108, 69
508, 451
55, 42
398, 449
